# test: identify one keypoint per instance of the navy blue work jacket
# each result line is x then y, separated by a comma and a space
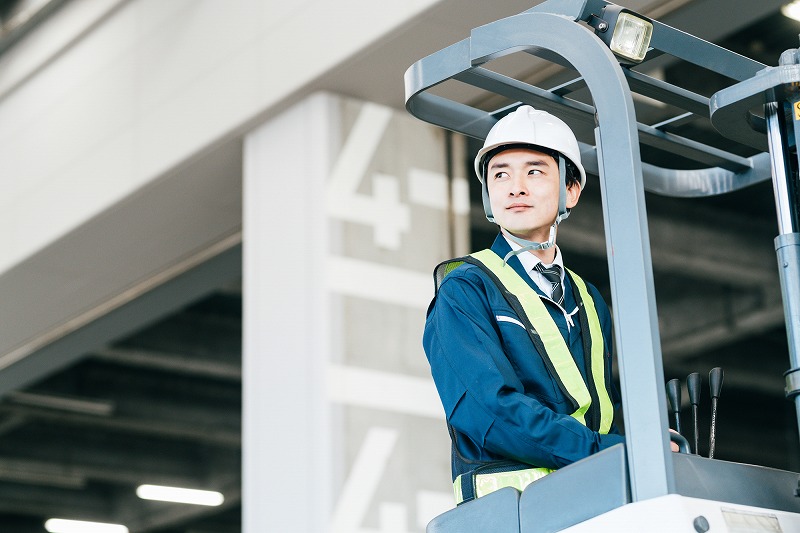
500, 401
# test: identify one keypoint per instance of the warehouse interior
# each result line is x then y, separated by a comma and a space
157, 398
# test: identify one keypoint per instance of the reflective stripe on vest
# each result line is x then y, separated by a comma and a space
556, 349
597, 356
483, 484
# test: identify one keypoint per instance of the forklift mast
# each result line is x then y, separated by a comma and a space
756, 117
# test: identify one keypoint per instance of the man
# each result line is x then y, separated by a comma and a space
519, 347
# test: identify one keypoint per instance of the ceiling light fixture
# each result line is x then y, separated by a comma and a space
179, 495
62, 525
792, 10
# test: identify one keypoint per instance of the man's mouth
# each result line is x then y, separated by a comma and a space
518, 206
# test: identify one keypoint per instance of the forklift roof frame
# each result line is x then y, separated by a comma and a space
552, 31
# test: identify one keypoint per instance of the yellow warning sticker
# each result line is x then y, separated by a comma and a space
797, 110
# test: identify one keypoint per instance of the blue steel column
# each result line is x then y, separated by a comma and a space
627, 239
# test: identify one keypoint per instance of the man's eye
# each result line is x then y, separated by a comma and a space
501, 175
534, 171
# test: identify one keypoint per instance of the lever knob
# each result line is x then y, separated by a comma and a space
693, 382
674, 395
715, 381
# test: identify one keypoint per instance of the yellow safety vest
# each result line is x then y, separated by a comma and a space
554, 350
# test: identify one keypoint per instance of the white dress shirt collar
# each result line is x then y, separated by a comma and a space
529, 261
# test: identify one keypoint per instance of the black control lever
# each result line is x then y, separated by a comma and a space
693, 382
674, 397
715, 385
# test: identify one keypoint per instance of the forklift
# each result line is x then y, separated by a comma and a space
641, 485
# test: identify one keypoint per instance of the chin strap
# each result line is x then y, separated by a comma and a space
563, 214
528, 246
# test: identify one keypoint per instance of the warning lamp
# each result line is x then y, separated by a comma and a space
626, 33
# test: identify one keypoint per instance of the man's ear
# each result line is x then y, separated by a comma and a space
573, 193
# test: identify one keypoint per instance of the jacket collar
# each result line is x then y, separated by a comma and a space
501, 248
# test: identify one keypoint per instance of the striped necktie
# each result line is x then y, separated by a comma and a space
553, 275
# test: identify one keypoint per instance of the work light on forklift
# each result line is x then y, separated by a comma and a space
626, 34
631, 37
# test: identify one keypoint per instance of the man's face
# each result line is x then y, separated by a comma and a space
523, 192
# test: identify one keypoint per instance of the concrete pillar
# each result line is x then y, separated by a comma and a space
347, 208
285, 317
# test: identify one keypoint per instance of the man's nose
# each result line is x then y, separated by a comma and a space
518, 186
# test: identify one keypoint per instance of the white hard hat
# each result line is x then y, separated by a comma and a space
526, 125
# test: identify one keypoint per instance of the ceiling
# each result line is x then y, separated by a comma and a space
162, 404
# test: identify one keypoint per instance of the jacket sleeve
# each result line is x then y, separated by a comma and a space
482, 395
